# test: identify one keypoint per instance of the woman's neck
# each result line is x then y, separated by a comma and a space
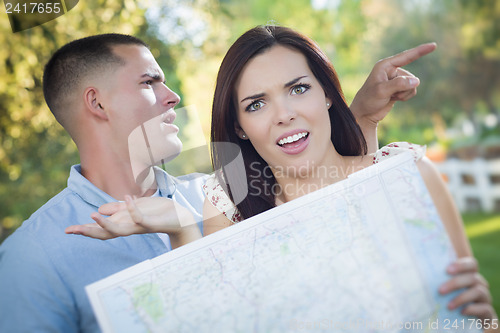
294, 184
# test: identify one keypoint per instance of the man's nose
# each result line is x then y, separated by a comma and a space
170, 98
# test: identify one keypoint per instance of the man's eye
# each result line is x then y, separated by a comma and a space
148, 82
255, 106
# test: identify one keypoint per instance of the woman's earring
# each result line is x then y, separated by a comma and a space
327, 105
243, 136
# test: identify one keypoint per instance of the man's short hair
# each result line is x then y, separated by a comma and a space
76, 61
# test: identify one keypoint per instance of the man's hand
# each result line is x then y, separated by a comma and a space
139, 216
386, 84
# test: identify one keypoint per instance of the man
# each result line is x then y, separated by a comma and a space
101, 89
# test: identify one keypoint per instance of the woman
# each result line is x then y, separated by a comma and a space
279, 99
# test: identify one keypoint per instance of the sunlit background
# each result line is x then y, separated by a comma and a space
456, 113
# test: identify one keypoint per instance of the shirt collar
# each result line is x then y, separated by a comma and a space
166, 183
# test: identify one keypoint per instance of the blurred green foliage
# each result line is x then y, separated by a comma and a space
35, 151
460, 81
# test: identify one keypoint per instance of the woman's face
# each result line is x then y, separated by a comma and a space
282, 109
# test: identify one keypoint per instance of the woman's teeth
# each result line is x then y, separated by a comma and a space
292, 138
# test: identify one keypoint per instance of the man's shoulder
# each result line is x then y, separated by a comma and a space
197, 177
50, 219
190, 182
54, 206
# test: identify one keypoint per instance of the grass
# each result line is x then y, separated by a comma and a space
483, 231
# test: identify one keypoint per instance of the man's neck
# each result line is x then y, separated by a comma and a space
117, 178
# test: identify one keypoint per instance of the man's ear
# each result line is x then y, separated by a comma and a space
239, 131
92, 103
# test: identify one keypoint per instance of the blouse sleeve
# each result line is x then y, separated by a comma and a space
220, 200
397, 148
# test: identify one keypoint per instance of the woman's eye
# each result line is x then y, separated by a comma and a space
300, 89
255, 106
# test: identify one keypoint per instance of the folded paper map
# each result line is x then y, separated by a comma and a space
366, 254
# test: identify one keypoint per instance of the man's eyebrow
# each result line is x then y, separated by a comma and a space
154, 76
292, 82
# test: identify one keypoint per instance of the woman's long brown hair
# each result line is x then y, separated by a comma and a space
346, 135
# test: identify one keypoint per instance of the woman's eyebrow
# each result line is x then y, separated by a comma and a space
292, 82
286, 85
253, 97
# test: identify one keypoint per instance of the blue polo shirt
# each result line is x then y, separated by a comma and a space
43, 271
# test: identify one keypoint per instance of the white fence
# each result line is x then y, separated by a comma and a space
475, 185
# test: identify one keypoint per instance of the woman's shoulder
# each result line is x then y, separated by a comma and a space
396, 148
216, 195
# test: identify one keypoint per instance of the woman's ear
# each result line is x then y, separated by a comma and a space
328, 102
93, 104
240, 132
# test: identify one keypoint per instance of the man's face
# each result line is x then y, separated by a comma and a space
140, 109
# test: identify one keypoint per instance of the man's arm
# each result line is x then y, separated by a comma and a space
386, 84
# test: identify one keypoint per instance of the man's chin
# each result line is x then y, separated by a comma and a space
171, 150
168, 158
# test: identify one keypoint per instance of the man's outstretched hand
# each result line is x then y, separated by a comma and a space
140, 216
